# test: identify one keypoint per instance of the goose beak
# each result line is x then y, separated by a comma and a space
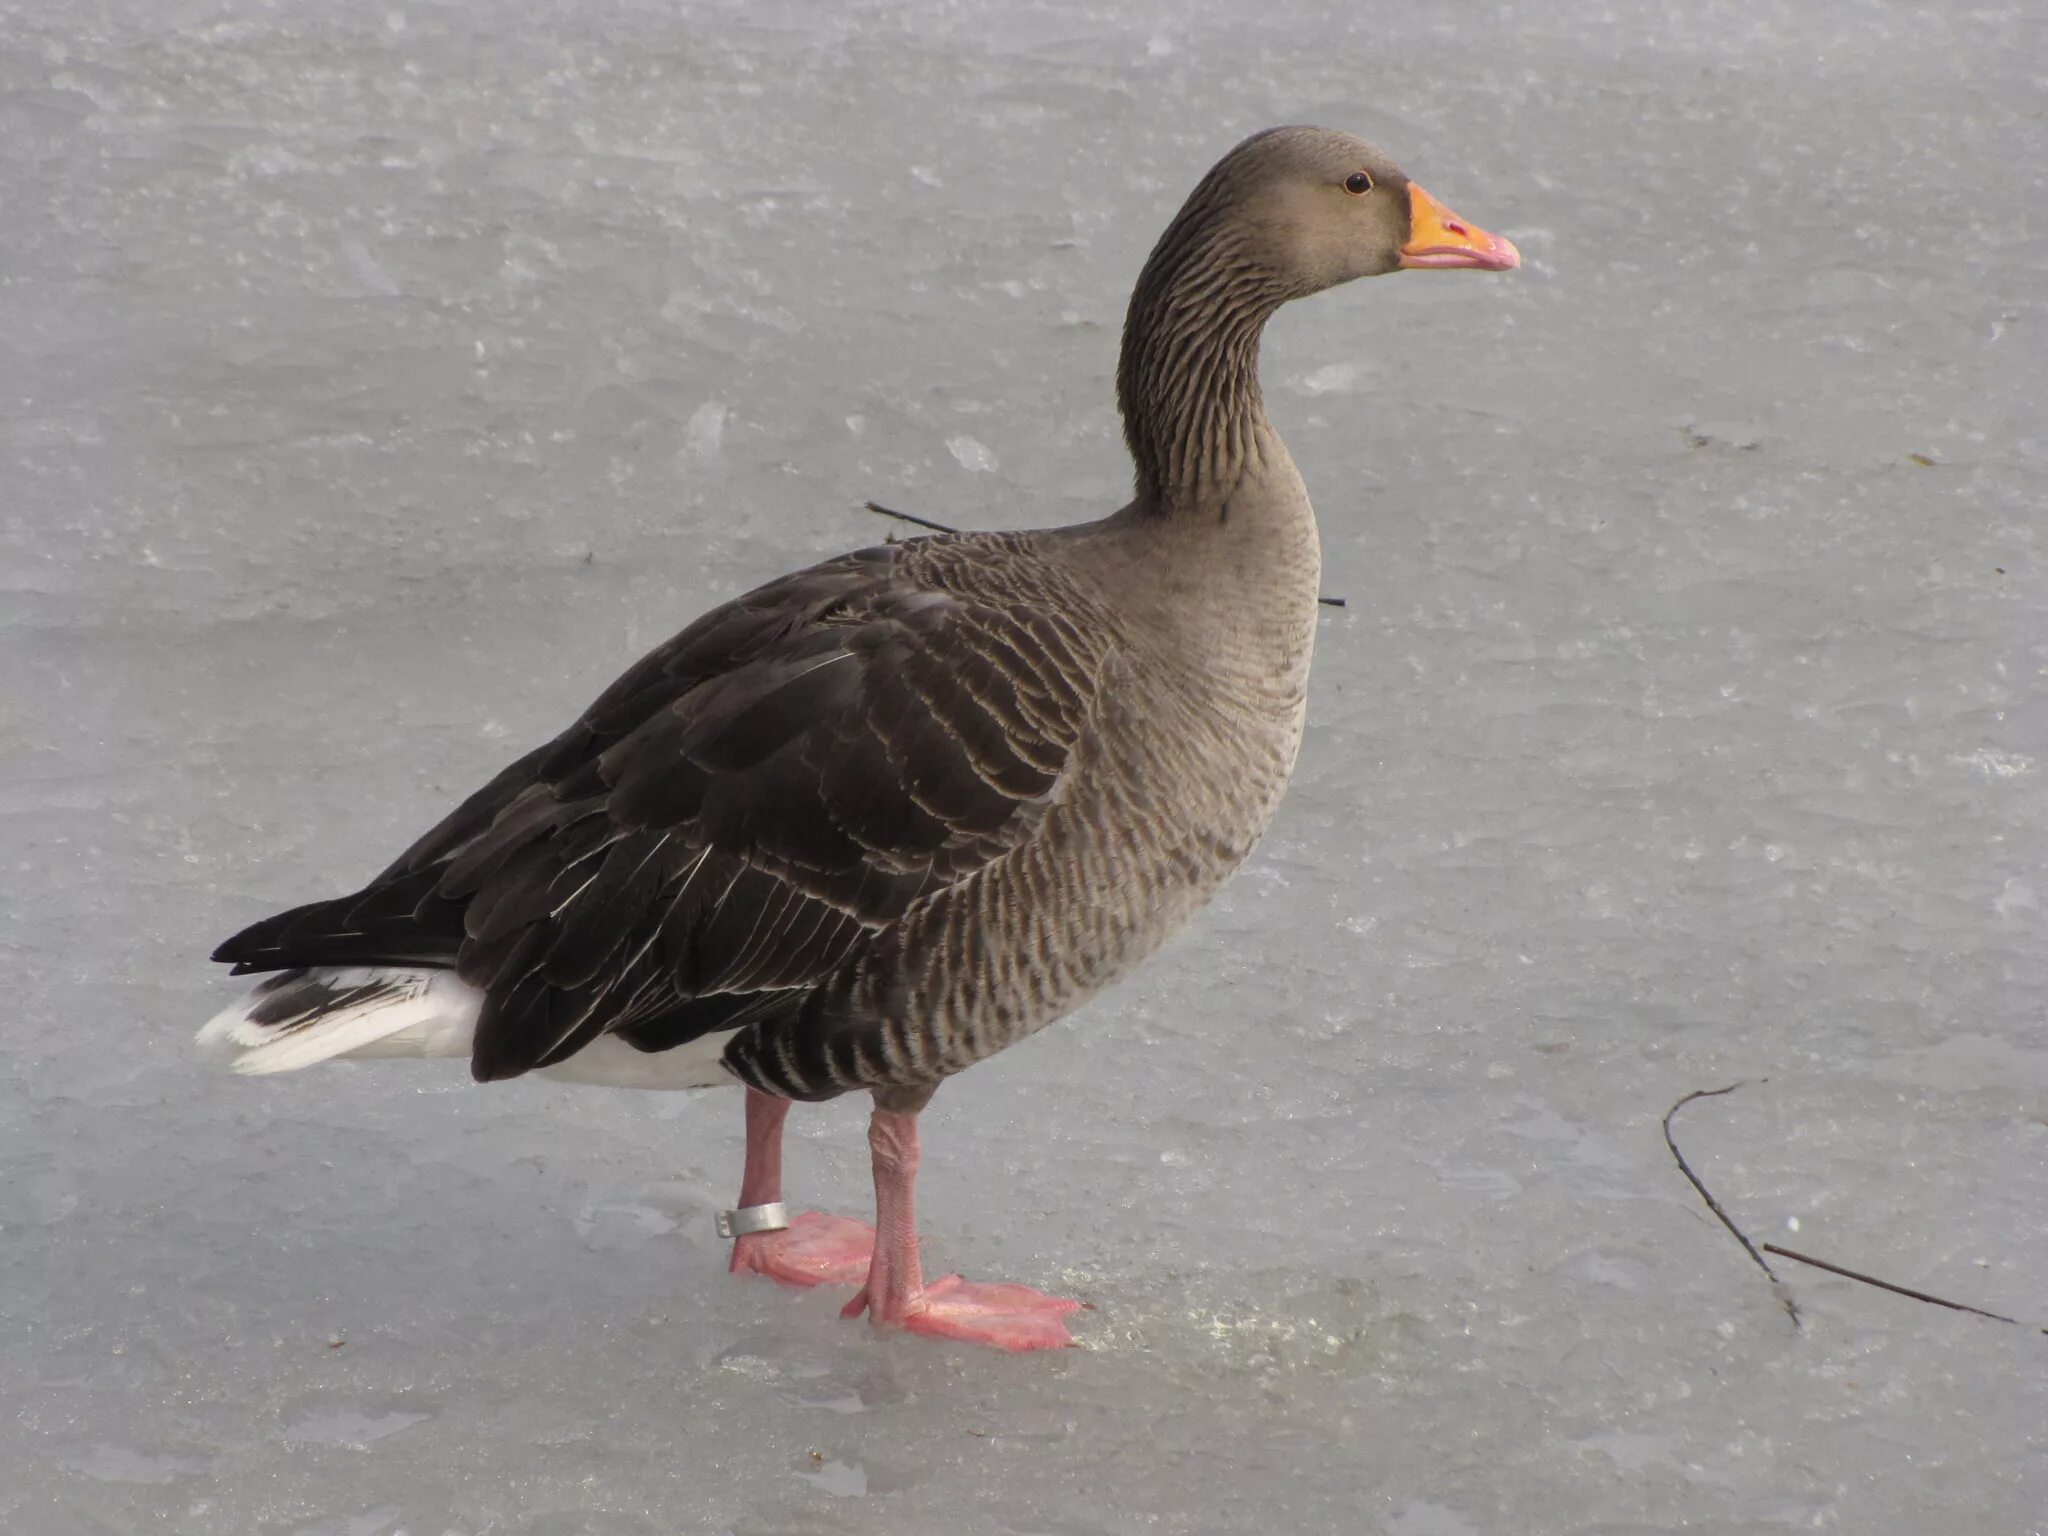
1437, 237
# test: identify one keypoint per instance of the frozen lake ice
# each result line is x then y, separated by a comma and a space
379, 381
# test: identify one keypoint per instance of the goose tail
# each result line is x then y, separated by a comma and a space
318, 1013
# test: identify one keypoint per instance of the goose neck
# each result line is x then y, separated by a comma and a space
1188, 379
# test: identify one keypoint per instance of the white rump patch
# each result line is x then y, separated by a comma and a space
360, 1012
609, 1062
347, 1011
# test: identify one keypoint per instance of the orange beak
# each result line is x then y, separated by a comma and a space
1437, 237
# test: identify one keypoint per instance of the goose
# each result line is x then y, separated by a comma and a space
874, 821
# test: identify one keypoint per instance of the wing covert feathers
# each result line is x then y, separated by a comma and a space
739, 816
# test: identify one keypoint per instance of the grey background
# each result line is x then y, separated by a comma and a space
379, 380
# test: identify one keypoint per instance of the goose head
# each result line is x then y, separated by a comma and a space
1315, 208
1287, 213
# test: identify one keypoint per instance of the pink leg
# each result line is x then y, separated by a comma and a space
812, 1249
1007, 1316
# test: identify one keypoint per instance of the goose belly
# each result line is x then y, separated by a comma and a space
609, 1062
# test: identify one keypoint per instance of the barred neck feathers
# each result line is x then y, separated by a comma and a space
1188, 380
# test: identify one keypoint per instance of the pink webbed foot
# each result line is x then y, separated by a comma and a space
1012, 1317
814, 1249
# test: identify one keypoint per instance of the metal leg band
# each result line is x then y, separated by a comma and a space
772, 1217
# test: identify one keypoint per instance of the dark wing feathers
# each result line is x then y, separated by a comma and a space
734, 819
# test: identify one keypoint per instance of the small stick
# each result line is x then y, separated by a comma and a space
908, 517
1898, 1290
924, 522
1784, 1296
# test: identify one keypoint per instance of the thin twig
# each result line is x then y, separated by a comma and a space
924, 522
1897, 1290
908, 517
1784, 1296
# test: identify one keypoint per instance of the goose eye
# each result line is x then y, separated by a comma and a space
1358, 183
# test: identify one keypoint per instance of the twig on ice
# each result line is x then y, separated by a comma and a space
908, 517
1784, 1295
1898, 1290
1777, 1286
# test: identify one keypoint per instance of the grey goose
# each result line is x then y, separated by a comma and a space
874, 821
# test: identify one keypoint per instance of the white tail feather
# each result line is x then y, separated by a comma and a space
360, 1011
347, 1011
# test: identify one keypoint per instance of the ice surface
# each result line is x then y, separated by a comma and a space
378, 380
